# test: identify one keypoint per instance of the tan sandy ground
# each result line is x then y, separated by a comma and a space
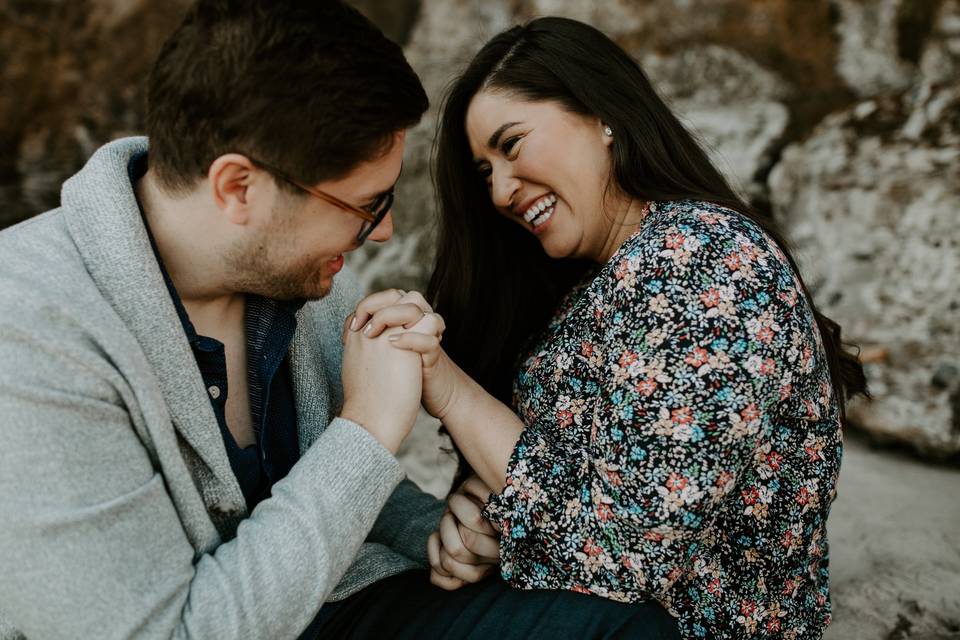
894, 539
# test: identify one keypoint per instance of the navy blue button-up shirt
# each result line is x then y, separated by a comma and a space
270, 325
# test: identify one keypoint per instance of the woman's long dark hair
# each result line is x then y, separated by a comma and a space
492, 281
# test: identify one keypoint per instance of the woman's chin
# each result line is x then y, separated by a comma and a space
555, 252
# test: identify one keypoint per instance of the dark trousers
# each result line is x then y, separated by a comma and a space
408, 606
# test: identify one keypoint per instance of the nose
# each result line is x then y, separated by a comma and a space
383, 231
503, 187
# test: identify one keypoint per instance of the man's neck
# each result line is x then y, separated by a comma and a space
189, 254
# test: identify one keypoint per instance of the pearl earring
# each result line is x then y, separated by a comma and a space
607, 130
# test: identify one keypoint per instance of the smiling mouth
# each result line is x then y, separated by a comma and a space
541, 210
336, 263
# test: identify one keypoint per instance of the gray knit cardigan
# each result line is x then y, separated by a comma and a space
119, 513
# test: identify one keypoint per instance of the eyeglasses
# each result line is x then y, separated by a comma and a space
372, 217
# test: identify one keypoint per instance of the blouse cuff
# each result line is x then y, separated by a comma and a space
534, 472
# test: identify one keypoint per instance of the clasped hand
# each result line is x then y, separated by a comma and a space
381, 386
465, 548
417, 329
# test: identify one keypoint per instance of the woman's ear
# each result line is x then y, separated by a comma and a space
607, 133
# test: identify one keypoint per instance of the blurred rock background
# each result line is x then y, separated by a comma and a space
840, 118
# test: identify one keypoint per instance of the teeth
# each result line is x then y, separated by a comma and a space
538, 208
543, 217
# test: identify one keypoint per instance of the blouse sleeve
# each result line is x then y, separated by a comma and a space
701, 333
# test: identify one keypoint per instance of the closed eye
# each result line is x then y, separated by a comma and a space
507, 146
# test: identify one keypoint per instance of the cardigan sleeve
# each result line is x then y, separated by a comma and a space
94, 543
698, 334
97, 547
410, 515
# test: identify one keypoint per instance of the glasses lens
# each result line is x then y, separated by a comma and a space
380, 210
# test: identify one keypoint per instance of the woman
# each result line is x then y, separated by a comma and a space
674, 428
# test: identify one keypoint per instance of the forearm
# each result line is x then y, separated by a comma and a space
484, 429
291, 552
125, 537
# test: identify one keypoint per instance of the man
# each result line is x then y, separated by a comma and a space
174, 463
183, 454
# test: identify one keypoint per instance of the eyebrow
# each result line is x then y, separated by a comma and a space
495, 138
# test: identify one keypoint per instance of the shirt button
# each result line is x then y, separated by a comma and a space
214, 391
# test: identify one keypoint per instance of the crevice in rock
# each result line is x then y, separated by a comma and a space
901, 630
915, 19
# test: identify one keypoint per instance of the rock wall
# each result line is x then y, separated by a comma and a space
72, 75
877, 189
839, 117
872, 201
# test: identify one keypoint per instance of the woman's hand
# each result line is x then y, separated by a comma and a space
412, 303
465, 548
394, 308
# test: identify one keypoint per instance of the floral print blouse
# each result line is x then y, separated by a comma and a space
682, 440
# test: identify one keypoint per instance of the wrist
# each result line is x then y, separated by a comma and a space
463, 398
389, 436
452, 403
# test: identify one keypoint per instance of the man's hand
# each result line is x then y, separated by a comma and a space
381, 386
465, 548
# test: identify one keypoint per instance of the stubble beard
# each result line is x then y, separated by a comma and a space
260, 269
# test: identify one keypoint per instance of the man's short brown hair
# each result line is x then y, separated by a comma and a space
311, 87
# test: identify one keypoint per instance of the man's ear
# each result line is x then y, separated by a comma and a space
230, 177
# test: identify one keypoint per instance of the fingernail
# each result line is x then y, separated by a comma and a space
353, 323
366, 329
393, 338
